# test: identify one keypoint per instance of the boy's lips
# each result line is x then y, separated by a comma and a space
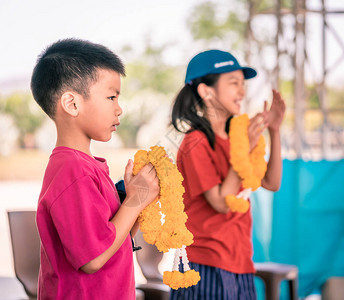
115, 125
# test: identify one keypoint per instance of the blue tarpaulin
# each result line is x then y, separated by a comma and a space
303, 223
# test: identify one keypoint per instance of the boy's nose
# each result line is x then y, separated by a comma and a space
118, 111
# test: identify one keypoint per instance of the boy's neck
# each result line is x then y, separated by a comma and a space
69, 134
86, 150
73, 141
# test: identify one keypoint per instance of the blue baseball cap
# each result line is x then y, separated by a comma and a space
215, 62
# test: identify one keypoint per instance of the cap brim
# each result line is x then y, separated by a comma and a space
249, 72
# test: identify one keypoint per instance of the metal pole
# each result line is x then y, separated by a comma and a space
325, 145
299, 84
277, 44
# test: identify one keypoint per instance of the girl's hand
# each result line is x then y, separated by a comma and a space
257, 125
141, 189
276, 112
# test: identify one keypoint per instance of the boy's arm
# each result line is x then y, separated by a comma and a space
120, 186
135, 228
146, 180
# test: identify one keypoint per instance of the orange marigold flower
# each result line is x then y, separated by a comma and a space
237, 204
250, 166
171, 232
176, 279
163, 221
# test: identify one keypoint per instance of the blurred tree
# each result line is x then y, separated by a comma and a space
149, 79
336, 99
208, 23
149, 71
211, 20
262, 31
26, 114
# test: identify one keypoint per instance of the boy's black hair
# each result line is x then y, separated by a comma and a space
69, 64
186, 106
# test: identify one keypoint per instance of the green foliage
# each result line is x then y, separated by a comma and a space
149, 71
142, 76
203, 23
207, 25
135, 115
26, 114
313, 97
264, 5
128, 130
287, 90
209, 21
148, 77
336, 98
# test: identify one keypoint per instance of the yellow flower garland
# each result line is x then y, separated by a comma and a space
163, 221
237, 204
176, 279
250, 166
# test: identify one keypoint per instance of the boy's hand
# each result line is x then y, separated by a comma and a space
141, 189
257, 125
276, 112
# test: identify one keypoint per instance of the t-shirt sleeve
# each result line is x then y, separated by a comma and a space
81, 216
198, 166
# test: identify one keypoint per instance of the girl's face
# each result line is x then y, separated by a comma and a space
229, 92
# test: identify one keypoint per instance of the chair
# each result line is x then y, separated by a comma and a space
333, 289
148, 259
272, 274
25, 248
26, 251
11, 288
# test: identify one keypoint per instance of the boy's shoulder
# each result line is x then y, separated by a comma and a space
70, 161
68, 169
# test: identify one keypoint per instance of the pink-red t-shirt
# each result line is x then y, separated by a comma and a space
77, 202
220, 240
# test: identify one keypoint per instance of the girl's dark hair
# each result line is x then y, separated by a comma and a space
187, 106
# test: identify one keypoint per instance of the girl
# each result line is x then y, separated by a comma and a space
222, 249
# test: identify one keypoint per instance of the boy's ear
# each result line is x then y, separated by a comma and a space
69, 103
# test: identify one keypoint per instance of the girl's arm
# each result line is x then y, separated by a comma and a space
232, 183
273, 175
272, 178
128, 212
216, 195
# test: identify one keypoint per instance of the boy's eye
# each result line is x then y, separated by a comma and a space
112, 98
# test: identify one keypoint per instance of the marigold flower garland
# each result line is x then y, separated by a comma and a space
163, 221
250, 166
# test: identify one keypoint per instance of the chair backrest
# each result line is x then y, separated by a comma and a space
25, 248
148, 259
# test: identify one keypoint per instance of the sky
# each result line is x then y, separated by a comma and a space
28, 26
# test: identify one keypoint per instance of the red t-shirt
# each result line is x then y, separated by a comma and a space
75, 206
220, 240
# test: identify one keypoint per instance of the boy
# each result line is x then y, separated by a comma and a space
86, 250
